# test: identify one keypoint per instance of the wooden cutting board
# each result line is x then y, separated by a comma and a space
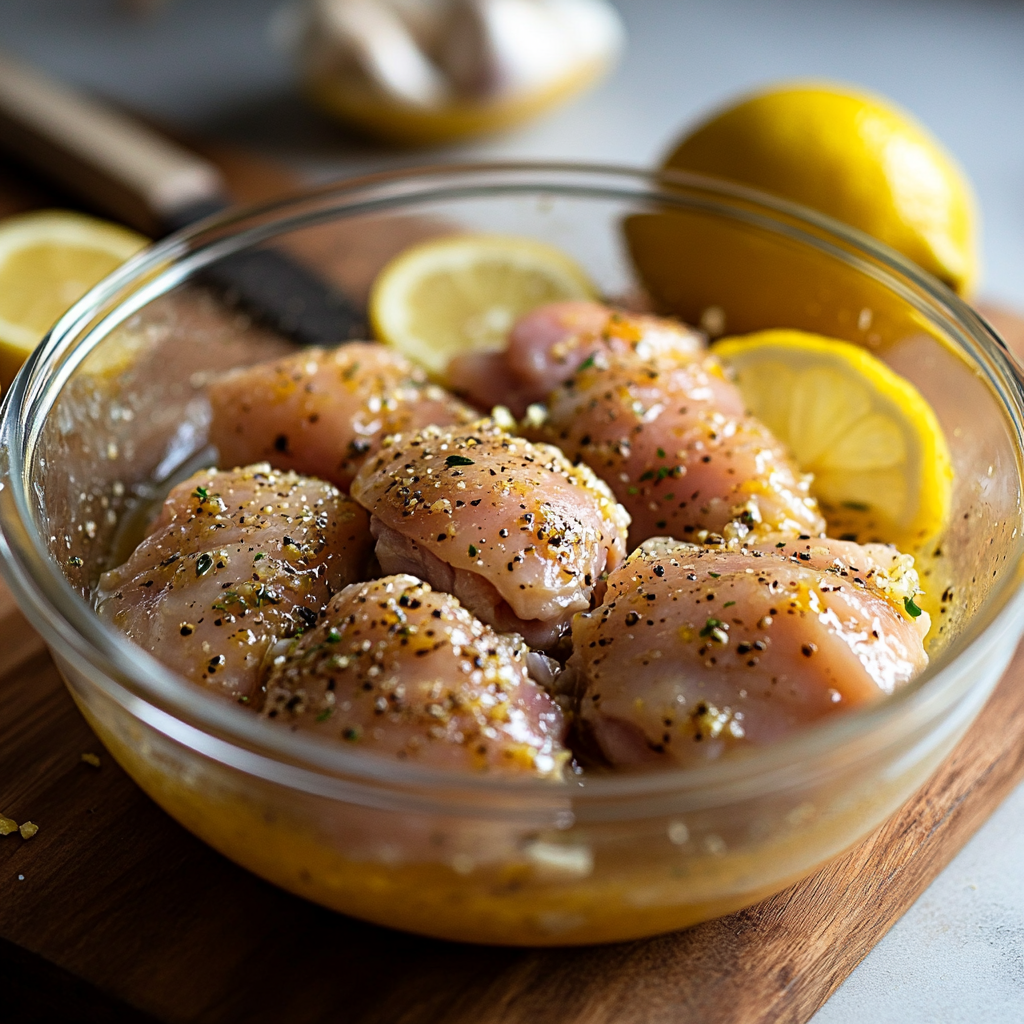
113, 913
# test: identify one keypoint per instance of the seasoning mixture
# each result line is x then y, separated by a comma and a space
472, 601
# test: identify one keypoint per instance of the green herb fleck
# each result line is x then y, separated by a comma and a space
262, 554
728, 604
75, 561
265, 593
714, 575
661, 453
588, 362
333, 637
458, 460
472, 551
856, 506
716, 630
324, 715
204, 563
201, 493
230, 597
912, 610
352, 733
632, 490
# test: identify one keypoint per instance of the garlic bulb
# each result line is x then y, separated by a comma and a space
425, 70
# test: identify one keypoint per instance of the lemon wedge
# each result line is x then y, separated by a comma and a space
49, 260
463, 293
881, 466
851, 155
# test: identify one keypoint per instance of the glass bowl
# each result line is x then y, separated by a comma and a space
111, 409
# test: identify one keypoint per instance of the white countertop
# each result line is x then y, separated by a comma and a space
958, 954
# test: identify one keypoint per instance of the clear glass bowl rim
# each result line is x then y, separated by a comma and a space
152, 693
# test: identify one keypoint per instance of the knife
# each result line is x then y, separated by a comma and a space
131, 172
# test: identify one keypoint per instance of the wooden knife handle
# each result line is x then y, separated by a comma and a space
120, 166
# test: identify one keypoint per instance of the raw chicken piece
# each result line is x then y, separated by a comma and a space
548, 344
511, 528
235, 561
322, 411
696, 650
673, 441
403, 670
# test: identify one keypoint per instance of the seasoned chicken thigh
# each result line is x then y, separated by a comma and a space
548, 344
673, 441
235, 561
399, 669
322, 411
512, 529
699, 650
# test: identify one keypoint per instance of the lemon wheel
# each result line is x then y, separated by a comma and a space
880, 461
464, 292
49, 260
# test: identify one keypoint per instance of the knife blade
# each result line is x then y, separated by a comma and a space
129, 171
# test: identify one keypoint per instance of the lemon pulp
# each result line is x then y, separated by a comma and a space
880, 461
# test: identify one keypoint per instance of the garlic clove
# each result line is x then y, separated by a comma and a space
368, 44
423, 18
592, 28
495, 49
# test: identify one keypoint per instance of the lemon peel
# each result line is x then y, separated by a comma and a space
853, 156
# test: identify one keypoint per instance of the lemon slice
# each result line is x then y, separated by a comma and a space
463, 293
880, 462
49, 260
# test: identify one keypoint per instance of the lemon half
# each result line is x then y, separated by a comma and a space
412, 125
49, 260
881, 465
463, 294
853, 156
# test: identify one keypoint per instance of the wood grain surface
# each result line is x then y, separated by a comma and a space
116, 895
113, 913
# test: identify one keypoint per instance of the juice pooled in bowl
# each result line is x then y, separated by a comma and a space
588, 548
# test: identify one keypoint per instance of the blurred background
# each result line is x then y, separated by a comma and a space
218, 73
217, 69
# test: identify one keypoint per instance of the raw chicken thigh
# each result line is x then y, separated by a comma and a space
548, 345
235, 561
512, 529
734, 624
698, 650
323, 411
399, 669
673, 441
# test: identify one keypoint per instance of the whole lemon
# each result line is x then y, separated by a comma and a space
854, 157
